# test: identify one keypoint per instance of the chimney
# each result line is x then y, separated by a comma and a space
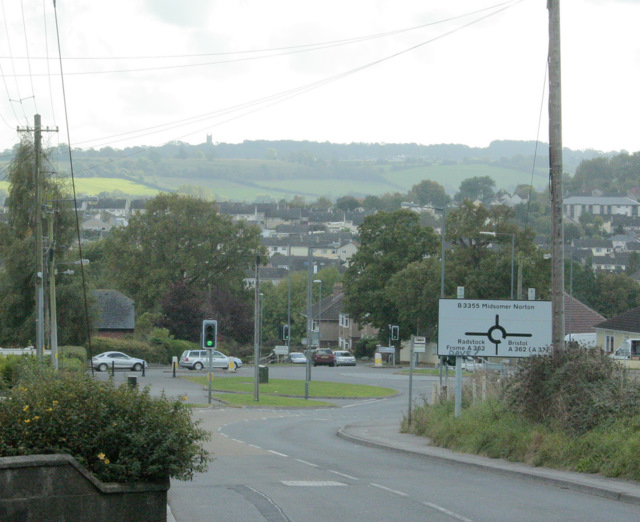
337, 289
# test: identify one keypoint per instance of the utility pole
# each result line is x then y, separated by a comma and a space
555, 174
37, 179
256, 334
53, 321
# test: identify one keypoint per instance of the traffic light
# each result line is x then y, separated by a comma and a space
209, 334
395, 332
285, 331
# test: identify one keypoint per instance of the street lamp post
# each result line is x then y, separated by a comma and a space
513, 249
442, 209
319, 281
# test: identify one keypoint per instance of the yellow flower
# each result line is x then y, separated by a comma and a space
25, 408
27, 421
101, 456
106, 461
50, 409
55, 402
36, 417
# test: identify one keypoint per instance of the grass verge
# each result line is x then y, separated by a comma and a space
489, 429
295, 388
275, 401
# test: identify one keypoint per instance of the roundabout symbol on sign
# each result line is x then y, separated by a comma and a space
497, 333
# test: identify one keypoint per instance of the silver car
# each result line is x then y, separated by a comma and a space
296, 358
117, 360
344, 358
199, 359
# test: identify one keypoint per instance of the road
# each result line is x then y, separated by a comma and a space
282, 465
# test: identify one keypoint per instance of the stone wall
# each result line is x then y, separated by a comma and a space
55, 487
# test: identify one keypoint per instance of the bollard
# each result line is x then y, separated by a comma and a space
378, 360
143, 366
113, 368
174, 368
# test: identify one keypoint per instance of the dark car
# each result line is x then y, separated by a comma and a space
324, 356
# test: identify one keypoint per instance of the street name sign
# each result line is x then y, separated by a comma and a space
486, 328
281, 350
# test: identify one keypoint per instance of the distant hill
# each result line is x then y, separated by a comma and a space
282, 169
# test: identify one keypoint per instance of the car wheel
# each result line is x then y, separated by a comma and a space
102, 367
137, 367
197, 366
332, 365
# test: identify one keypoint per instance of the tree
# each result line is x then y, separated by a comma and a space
429, 192
347, 203
390, 241
179, 239
17, 247
476, 188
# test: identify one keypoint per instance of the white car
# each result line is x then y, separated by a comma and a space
199, 359
117, 360
344, 358
296, 358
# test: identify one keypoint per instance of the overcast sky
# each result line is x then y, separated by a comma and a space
145, 72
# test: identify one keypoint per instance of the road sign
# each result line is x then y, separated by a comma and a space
494, 328
419, 344
386, 349
281, 350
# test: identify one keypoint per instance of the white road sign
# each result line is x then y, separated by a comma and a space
494, 328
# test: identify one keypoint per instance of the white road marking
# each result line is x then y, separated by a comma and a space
390, 490
361, 403
342, 474
254, 446
307, 463
312, 483
277, 453
447, 512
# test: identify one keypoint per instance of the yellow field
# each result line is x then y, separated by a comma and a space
95, 186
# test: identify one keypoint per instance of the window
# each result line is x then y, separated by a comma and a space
608, 343
315, 325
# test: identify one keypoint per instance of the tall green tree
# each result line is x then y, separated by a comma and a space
390, 241
17, 253
429, 192
476, 188
179, 239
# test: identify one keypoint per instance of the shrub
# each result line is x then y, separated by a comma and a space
577, 389
73, 352
365, 347
8, 368
120, 434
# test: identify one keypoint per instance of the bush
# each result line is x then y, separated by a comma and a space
365, 347
9, 368
73, 352
577, 389
120, 434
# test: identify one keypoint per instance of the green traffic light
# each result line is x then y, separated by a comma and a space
209, 343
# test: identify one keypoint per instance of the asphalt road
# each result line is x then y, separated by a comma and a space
290, 465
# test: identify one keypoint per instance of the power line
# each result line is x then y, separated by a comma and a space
274, 52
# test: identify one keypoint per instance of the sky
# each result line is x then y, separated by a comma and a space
128, 73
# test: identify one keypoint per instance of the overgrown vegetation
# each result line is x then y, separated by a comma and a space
578, 410
120, 434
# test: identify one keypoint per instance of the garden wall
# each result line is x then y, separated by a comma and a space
56, 487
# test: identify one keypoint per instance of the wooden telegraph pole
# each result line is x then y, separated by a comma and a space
37, 178
555, 173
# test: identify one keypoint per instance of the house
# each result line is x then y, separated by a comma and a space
333, 326
575, 206
611, 333
116, 314
579, 318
